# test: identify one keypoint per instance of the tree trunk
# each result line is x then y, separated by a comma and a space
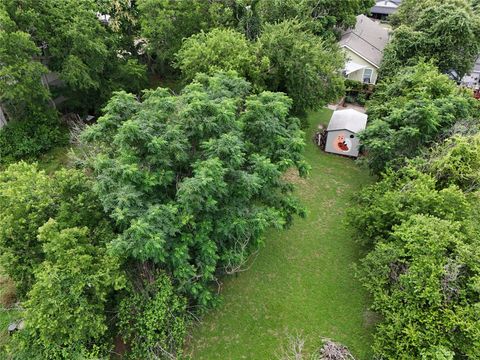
3, 119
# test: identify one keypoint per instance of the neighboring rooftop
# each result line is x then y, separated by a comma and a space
348, 119
367, 39
385, 7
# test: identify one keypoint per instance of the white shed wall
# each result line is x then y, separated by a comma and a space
342, 142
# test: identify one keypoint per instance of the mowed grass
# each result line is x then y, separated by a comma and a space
302, 281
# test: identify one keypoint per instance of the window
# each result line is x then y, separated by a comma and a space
367, 76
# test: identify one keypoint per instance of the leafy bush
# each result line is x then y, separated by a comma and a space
409, 112
424, 281
65, 313
457, 162
28, 199
353, 85
27, 139
361, 99
152, 320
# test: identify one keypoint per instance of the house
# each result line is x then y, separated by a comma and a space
384, 8
472, 80
342, 132
363, 47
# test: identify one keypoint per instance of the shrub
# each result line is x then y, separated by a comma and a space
28, 199
29, 138
353, 85
152, 319
65, 313
409, 113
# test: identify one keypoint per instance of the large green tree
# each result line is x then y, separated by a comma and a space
221, 50
302, 65
87, 54
409, 112
28, 199
164, 23
446, 32
21, 88
193, 180
320, 17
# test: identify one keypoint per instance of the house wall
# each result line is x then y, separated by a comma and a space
472, 80
341, 142
358, 75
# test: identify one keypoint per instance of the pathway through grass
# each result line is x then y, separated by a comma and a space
302, 280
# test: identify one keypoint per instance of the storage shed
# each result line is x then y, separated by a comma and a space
342, 132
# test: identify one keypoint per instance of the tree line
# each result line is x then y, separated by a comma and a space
420, 220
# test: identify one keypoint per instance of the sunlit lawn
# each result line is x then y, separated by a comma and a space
302, 280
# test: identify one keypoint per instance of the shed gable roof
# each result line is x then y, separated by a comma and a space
349, 119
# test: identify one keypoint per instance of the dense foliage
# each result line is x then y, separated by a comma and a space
66, 308
30, 137
221, 50
446, 32
424, 269
320, 17
21, 89
285, 58
302, 65
152, 319
166, 23
87, 55
409, 112
28, 199
193, 180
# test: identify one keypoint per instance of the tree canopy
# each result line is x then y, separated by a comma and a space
302, 65
221, 50
87, 55
21, 88
409, 112
423, 269
193, 180
447, 33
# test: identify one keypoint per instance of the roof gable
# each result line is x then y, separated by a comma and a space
368, 39
349, 119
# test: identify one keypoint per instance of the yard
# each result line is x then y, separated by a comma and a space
302, 281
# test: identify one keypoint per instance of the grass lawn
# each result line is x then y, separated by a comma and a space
54, 159
302, 280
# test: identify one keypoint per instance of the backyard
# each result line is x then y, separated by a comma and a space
302, 282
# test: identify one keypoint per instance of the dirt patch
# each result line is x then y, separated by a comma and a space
7, 292
292, 176
371, 318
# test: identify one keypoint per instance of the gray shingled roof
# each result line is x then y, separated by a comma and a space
368, 39
348, 119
